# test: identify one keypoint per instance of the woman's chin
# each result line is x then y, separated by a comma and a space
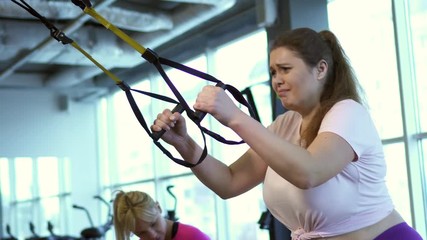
286, 104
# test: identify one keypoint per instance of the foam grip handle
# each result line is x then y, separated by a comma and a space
158, 134
199, 114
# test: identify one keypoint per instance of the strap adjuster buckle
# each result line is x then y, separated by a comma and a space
60, 36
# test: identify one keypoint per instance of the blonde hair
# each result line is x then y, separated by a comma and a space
129, 206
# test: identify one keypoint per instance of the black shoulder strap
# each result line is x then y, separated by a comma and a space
175, 226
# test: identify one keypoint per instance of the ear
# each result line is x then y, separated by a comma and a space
322, 69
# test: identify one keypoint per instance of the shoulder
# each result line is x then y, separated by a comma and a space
352, 121
185, 230
188, 228
348, 106
346, 112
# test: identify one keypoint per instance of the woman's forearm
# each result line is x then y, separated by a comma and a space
211, 172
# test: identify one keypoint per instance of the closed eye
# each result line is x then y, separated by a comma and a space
285, 69
281, 69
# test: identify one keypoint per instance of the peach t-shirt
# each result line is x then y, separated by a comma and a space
355, 198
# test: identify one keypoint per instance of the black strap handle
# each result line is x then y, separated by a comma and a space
158, 134
197, 117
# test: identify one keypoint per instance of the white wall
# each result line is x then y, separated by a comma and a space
32, 125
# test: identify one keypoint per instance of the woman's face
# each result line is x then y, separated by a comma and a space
155, 230
297, 85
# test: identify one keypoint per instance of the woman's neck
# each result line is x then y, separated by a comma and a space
307, 118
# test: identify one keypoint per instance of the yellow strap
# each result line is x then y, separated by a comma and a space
110, 74
115, 30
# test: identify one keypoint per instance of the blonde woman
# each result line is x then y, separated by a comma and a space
137, 213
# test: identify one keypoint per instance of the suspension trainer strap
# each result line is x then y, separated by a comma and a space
143, 123
61, 37
151, 56
198, 116
157, 61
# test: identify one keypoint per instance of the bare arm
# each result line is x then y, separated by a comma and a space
305, 168
327, 155
226, 181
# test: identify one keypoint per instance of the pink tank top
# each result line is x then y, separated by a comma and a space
187, 232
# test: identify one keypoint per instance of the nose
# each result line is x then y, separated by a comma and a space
278, 80
276, 75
